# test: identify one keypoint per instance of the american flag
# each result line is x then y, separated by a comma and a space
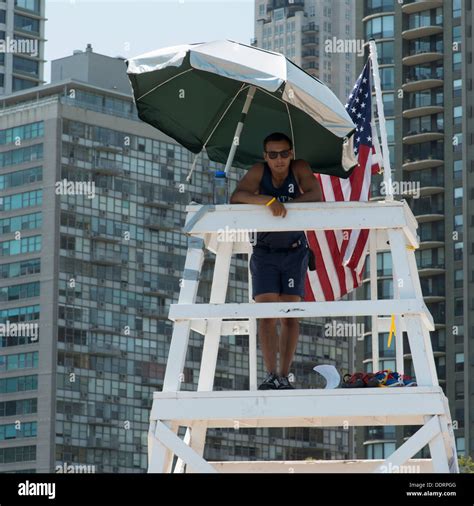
340, 254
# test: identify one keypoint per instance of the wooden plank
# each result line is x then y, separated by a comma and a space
177, 445
411, 446
297, 309
317, 466
325, 216
291, 410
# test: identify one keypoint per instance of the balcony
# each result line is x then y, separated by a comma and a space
158, 203
418, 163
155, 291
425, 135
426, 210
431, 238
430, 182
422, 110
160, 223
310, 66
412, 6
106, 258
420, 57
423, 30
422, 157
106, 350
107, 167
310, 41
99, 236
95, 442
107, 148
431, 298
291, 5
156, 314
431, 270
418, 82
312, 28
310, 55
102, 329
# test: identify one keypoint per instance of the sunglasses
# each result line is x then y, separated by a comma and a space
274, 154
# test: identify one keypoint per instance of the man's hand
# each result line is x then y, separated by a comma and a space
278, 209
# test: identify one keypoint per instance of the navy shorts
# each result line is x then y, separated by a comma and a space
279, 272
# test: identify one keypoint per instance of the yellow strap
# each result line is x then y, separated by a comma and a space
270, 202
392, 330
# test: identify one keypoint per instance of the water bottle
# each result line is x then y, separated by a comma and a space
220, 187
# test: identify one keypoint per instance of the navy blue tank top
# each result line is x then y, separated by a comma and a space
286, 192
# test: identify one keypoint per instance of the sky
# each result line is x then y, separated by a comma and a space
131, 27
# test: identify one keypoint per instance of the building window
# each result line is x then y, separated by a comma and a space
374, 6
387, 78
457, 37
458, 222
390, 126
460, 446
457, 169
385, 53
457, 8
25, 66
26, 24
457, 61
458, 308
379, 28
22, 84
459, 365
459, 390
29, 5
458, 192
457, 115
379, 450
457, 87
458, 278
388, 104
278, 14
458, 249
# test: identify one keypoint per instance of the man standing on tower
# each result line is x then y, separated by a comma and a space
280, 259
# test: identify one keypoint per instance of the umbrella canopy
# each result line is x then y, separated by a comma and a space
195, 93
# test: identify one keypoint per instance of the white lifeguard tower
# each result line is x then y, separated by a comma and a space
393, 228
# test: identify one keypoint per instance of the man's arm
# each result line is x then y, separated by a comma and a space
247, 188
308, 183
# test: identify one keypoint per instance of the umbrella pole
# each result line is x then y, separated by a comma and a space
238, 130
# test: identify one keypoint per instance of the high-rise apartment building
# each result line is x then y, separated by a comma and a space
425, 56
95, 263
22, 39
311, 33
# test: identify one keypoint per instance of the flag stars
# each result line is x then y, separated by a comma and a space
362, 105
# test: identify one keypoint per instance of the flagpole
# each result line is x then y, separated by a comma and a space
387, 171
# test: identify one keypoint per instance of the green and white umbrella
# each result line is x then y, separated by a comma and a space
226, 97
